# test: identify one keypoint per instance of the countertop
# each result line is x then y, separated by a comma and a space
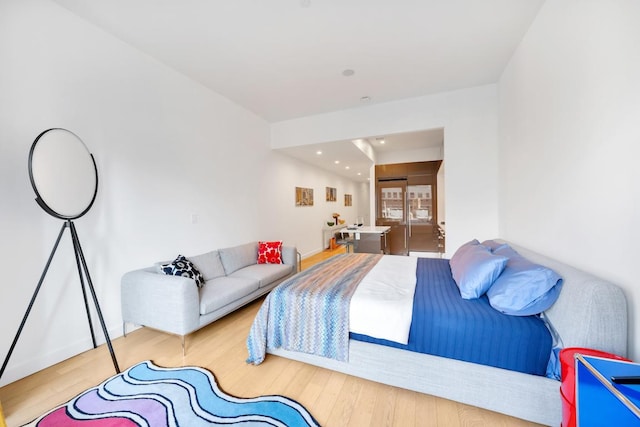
379, 229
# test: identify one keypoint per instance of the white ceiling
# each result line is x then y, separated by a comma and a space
283, 59
353, 163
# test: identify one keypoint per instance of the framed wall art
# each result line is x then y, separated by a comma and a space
332, 194
304, 196
348, 200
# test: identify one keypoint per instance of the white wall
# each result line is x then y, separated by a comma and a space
406, 156
166, 148
442, 209
469, 119
569, 138
278, 214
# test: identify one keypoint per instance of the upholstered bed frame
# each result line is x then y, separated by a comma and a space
590, 313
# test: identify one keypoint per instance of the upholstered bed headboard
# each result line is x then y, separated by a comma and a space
590, 312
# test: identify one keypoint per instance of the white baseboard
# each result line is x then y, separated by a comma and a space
308, 254
21, 368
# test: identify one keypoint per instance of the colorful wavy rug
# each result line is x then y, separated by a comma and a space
148, 395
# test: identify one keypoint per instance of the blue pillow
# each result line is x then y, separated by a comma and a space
506, 250
523, 288
460, 251
493, 245
474, 268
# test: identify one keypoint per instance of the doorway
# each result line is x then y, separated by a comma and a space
391, 203
406, 201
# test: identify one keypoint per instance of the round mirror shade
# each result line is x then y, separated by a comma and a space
63, 174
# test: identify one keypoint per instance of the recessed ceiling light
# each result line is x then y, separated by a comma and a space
365, 99
318, 152
347, 167
348, 72
359, 174
382, 141
337, 162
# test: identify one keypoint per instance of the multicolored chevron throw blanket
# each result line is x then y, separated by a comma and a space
148, 395
309, 312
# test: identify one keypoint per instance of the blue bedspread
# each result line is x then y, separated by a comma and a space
446, 325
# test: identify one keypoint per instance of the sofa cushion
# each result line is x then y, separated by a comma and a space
181, 266
218, 292
270, 252
238, 257
209, 265
265, 274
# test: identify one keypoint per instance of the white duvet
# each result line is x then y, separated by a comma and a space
382, 305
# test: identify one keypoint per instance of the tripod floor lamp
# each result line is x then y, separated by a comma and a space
64, 176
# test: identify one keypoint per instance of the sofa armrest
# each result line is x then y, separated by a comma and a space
290, 256
159, 301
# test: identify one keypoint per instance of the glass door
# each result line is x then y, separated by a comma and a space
391, 203
420, 222
407, 201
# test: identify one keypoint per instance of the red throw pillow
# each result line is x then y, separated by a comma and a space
270, 252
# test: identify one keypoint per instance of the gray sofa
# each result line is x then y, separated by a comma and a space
176, 305
590, 313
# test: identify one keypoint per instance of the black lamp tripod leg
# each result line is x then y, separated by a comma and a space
84, 292
76, 244
33, 299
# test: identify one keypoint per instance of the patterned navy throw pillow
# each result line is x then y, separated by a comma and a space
181, 266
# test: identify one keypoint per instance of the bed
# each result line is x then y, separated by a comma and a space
503, 373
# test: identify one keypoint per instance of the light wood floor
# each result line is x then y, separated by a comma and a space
333, 398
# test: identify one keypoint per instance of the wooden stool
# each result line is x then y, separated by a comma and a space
332, 244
